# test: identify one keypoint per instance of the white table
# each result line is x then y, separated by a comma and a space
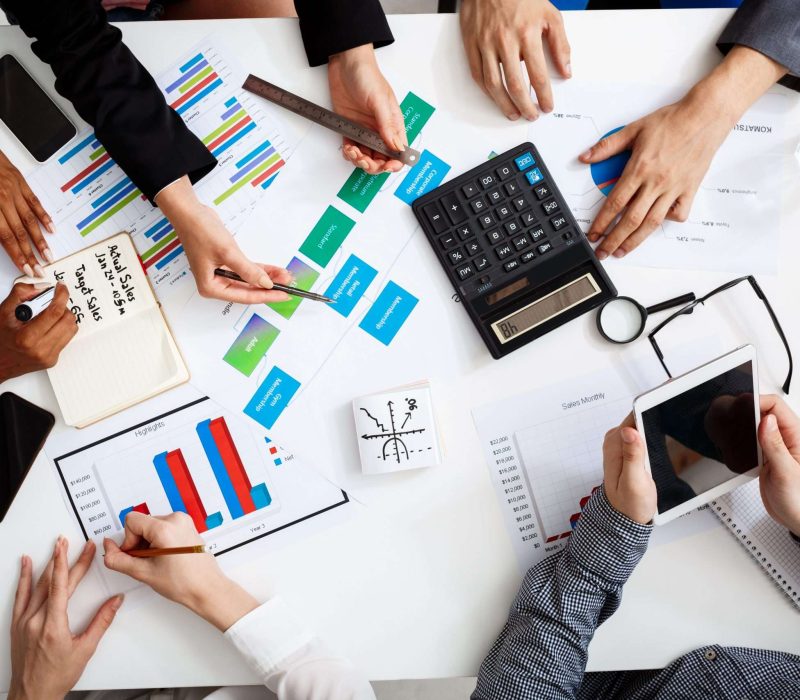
416, 593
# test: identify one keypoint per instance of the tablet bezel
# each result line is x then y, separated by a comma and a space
683, 383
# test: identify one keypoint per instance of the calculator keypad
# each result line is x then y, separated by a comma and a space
500, 222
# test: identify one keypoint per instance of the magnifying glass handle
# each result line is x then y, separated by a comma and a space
671, 303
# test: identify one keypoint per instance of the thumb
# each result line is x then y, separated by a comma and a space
632, 455
102, 620
772, 444
390, 121
247, 269
610, 145
117, 560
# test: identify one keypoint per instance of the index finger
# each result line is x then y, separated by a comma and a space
45, 321
533, 54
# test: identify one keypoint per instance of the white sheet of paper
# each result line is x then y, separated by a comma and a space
735, 218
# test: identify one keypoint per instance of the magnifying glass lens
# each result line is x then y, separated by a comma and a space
622, 320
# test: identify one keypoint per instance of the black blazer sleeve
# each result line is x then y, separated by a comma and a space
333, 26
771, 27
112, 91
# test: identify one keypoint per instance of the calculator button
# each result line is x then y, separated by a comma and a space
568, 235
511, 265
520, 203
456, 256
542, 191
503, 212
495, 196
512, 228
464, 232
527, 256
453, 208
486, 220
550, 206
521, 242
465, 271
537, 234
478, 205
534, 176
473, 248
481, 263
558, 222
470, 190
544, 248
504, 172
484, 279
487, 181
528, 218
494, 236
435, 217
524, 161
448, 241
503, 251
511, 188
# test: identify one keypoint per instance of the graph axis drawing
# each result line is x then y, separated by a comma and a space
393, 442
58, 460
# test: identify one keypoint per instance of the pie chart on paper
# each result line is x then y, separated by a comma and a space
606, 173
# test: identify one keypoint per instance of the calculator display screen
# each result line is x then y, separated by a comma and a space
545, 308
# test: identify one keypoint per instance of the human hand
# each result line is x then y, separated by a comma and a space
629, 487
504, 32
22, 217
46, 658
36, 344
779, 436
193, 580
360, 92
209, 245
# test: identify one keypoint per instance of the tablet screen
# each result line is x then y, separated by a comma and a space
703, 437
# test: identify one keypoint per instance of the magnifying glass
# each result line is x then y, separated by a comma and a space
622, 319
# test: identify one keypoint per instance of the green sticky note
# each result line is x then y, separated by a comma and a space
304, 278
251, 345
360, 188
327, 236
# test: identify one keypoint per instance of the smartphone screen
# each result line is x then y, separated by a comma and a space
32, 116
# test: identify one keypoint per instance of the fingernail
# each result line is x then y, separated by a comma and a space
48, 255
513, 116
50, 226
592, 236
569, 70
627, 436
771, 423
265, 282
586, 154
38, 270
533, 117
619, 253
601, 254
117, 604
27, 270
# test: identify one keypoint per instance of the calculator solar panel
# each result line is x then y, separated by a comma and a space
512, 249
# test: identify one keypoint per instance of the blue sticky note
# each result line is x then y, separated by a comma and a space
534, 176
349, 285
389, 312
524, 161
272, 397
423, 177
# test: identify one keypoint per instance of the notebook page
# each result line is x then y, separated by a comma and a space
767, 542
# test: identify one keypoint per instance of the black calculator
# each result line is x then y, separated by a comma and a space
512, 249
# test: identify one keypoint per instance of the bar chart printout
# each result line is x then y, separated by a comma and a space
194, 460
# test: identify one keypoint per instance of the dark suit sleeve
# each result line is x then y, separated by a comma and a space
112, 91
333, 26
771, 27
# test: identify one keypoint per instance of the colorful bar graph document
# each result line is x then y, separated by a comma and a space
183, 453
90, 197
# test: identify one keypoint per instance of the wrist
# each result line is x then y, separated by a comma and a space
222, 603
356, 55
178, 201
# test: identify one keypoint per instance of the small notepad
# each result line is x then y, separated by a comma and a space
123, 352
396, 430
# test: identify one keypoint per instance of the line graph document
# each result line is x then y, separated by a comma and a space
734, 221
544, 452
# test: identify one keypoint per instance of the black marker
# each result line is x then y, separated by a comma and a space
33, 307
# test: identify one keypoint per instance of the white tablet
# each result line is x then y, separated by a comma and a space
700, 432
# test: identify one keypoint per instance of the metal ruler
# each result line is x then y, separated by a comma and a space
324, 117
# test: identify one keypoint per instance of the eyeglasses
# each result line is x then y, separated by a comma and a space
702, 300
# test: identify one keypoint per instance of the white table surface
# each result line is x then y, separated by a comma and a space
421, 592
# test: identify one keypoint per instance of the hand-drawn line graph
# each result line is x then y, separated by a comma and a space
397, 443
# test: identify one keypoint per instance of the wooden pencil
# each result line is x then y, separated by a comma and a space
163, 551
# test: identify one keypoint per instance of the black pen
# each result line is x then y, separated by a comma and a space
227, 274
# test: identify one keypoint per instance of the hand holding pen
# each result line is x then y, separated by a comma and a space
278, 287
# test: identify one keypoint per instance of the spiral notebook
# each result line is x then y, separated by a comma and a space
769, 543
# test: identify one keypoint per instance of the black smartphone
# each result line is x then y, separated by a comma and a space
23, 429
29, 113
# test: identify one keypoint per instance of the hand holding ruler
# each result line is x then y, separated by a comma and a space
330, 120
